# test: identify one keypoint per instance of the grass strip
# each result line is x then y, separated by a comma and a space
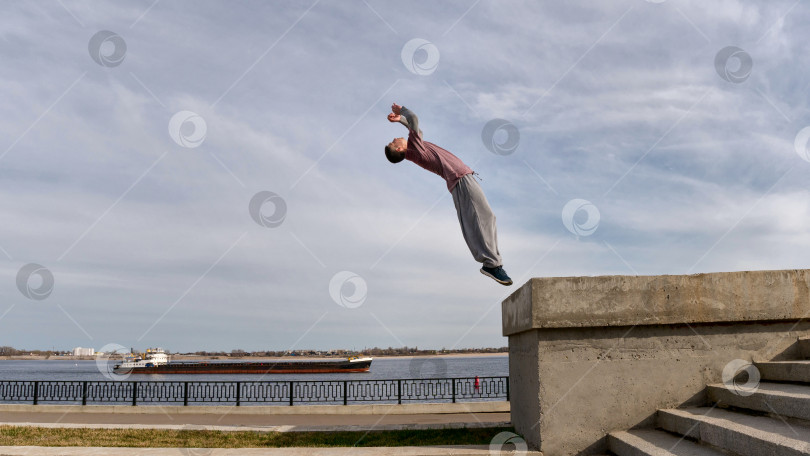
163, 438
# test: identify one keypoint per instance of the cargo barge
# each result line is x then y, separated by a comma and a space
156, 361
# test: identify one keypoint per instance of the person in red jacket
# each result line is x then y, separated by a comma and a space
474, 214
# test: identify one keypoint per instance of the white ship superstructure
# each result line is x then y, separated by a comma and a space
153, 357
355, 359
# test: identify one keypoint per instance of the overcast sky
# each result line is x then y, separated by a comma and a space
627, 137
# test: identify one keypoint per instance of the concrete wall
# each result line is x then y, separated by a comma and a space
591, 355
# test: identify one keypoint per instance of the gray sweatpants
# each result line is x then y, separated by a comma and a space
477, 221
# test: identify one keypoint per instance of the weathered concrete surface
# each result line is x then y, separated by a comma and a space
524, 380
804, 347
784, 399
737, 432
571, 302
785, 371
593, 355
653, 443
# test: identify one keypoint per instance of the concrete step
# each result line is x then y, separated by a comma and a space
783, 399
737, 432
644, 442
804, 347
785, 371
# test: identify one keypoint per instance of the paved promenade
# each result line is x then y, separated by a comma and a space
370, 451
234, 421
275, 419
262, 418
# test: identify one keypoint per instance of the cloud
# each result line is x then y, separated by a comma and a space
619, 104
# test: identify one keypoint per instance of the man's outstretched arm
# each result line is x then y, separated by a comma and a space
406, 117
413, 121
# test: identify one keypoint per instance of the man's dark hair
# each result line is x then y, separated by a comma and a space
393, 155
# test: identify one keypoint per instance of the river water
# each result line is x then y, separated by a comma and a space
381, 368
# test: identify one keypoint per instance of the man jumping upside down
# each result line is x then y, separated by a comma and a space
474, 214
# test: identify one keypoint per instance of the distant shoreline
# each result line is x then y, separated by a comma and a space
250, 358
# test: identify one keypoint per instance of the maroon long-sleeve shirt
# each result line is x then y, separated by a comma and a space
430, 156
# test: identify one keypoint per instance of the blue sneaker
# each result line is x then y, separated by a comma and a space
498, 274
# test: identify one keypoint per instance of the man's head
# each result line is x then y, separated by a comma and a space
395, 150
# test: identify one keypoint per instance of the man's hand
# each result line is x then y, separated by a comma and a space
393, 117
395, 108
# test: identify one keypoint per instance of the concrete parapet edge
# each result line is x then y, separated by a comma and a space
744, 296
362, 409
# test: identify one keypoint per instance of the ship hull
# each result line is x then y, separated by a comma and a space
283, 367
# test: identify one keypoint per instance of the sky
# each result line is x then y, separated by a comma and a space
200, 175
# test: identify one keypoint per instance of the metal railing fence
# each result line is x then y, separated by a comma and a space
255, 392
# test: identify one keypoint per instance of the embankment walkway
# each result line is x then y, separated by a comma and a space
328, 418
471, 450
259, 418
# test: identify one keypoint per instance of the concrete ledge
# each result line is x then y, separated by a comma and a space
571, 302
370, 409
594, 355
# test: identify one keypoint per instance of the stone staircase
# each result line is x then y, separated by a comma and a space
771, 418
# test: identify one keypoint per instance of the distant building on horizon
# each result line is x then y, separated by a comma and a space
79, 351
